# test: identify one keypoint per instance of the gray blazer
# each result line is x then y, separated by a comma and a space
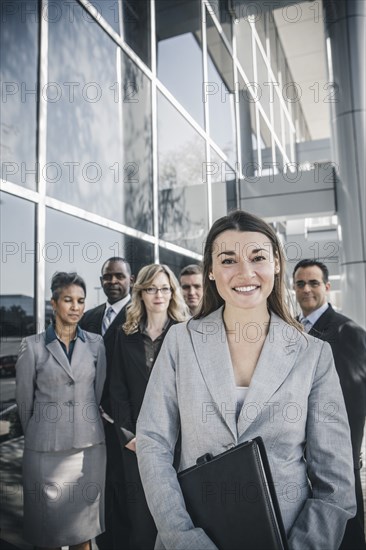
294, 402
58, 402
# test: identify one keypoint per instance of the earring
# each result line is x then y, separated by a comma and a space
211, 277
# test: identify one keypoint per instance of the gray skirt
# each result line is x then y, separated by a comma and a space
63, 495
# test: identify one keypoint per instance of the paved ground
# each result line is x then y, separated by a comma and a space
11, 495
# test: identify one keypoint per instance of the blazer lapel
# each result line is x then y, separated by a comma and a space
77, 355
275, 362
59, 355
213, 357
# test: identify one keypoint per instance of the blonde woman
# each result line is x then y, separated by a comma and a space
156, 305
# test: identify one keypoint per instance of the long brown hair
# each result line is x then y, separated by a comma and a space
243, 221
136, 311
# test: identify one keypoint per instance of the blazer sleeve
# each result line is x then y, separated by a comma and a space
101, 370
157, 434
119, 394
25, 382
322, 520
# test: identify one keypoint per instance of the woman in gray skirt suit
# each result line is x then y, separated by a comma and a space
60, 375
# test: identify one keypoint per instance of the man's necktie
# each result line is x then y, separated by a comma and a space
306, 324
107, 319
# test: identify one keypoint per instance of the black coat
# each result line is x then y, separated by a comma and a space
128, 382
92, 322
348, 343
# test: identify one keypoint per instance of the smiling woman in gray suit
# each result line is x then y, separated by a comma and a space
242, 368
60, 375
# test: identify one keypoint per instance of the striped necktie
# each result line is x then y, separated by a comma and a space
306, 324
107, 319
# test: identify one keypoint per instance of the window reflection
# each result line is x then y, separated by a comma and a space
247, 127
244, 46
18, 74
182, 193
73, 244
175, 261
108, 9
220, 9
179, 53
17, 318
219, 91
264, 84
265, 144
99, 129
136, 27
223, 186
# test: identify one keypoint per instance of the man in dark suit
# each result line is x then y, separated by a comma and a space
348, 343
105, 319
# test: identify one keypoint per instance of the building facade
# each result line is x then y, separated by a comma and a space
126, 129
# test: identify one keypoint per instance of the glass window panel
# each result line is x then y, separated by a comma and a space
265, 145
108, 9
99, 129
247, 121
260, 26
175, 261
18, 258
244, 47
73, 244
220, 95
137, 147
264, 83
136, 27
273, 39
277, 106
223, 187
179, 53
289, 136
18, 74
182, 192
279, 161
220, 9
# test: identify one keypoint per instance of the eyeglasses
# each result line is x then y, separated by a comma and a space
154, 290
313, 283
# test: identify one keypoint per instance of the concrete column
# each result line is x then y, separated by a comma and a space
345, 25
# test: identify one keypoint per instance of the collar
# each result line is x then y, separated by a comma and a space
142, 326
51, 334
314, 315
118, 306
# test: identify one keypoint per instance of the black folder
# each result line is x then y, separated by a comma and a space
232, 498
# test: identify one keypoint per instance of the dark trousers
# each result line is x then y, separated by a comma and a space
354, 536
142, 527
116, 534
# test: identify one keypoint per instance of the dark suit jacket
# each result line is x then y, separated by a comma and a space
348, 343
128, 382
92, 322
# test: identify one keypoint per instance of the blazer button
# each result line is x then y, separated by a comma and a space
71, 383
230, 446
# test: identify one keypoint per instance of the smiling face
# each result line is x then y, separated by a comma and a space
314, 291
69, 306
159, 302
243, 268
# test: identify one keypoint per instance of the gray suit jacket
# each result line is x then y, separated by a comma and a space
294, 402
58, 402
